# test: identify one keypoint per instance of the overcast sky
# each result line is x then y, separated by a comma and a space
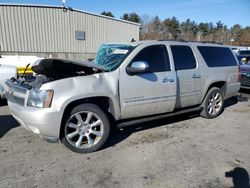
229, 12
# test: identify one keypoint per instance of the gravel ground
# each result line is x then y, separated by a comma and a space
183, 151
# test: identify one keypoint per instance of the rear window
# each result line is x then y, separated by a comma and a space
217, 56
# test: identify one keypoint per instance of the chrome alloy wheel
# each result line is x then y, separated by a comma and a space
215, 103
84, 129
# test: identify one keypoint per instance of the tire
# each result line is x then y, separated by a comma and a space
86, 129
213, 103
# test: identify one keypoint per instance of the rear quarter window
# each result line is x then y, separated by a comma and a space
217, 56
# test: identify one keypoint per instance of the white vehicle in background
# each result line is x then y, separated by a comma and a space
20, 62
11, 66
236, 49
6, 72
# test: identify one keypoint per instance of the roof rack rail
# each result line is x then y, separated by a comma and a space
178, 40
181, 40
212, 42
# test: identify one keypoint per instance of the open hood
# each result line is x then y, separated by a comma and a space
48, 70
62, 66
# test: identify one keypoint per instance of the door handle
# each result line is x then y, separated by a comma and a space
168, 80
196, 76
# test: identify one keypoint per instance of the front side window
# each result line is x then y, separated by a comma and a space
156, 56
183, 57
111, 56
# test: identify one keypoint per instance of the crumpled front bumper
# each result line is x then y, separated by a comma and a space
45, 122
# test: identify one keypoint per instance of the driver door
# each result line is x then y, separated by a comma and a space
152, 92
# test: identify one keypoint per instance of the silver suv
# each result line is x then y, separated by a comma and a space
78, 102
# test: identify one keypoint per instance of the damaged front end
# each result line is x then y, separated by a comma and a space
25, 90
48, 70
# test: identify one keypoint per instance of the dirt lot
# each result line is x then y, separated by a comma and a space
184, 151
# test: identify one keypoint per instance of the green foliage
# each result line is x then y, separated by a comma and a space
132, 17
203, 28
107, 14
172, 26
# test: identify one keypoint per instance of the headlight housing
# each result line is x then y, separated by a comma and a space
40, 98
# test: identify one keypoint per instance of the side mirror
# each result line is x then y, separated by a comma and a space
243, 60
138, 67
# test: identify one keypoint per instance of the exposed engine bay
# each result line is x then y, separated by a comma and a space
47, 70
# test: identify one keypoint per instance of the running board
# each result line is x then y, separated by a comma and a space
155, 117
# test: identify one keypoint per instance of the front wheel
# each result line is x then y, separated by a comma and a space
86, 129
213, 103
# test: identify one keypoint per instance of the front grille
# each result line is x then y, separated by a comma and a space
15, 93
245, 79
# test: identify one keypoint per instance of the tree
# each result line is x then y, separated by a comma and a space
172, 26
151, 30
236, 32
156, 24
218, 32
244, 38
194, 28
145, 32
132, 17
107, 14
210, 27
219, 25
188, 30
125, 16
203, 28
185, 26
211, 30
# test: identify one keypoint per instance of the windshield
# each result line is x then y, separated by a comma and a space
111, 56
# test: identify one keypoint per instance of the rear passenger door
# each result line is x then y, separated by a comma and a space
188, 76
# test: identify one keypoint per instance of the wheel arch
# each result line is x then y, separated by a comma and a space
219, 84
103, 102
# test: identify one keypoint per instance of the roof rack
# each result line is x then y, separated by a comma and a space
178, 40
212, 42
181, 40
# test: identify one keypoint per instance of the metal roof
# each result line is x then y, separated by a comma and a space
68, 9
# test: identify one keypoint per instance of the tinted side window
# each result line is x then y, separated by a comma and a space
217, 56
156, 56
183, 57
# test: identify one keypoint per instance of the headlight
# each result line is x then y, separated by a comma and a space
40, 98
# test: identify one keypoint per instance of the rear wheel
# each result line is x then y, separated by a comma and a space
86, 129
213, 103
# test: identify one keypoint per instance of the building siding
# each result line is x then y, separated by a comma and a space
41, 29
